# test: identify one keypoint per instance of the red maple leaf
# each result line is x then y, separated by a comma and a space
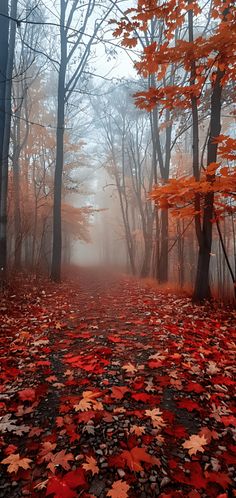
193, 478
228, 420
189, 405
220, 478
134, 457
118, 392
155, 364
75, 478
27, 394
195, 387
63, 487
60, 489
141, 397
114, 338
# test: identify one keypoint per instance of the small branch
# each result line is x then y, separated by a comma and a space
179, 236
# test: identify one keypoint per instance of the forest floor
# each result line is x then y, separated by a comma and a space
113, 388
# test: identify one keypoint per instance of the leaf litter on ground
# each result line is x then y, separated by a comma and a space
113, 388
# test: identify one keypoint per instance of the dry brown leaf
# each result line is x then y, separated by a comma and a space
97, 405
209, 435
41, 485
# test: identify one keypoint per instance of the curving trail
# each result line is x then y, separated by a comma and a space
113, 388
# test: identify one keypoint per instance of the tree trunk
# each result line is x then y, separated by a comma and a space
4, 28
163, 262
16, 189
6, 141
57, 235
180, 246
202, 286
145, 270
164, 165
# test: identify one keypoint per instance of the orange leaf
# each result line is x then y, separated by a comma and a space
118, 392
14, 461
61, 458
91, 465
119, 489
194, 444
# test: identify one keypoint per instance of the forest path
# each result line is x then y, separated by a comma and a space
109, 384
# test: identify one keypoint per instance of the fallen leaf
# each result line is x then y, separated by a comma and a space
7, 424
137, 430
194, 444
91, 465
61, 458
89, 401
156, 418
137, 455
64, 486
119, 489
220, 477
45, 452
27, 394
118, 392
129, 368
14, 462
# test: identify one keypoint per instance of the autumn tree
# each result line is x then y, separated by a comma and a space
4, 33
18, 80
208, 58
74, 45
128, 160
4, 53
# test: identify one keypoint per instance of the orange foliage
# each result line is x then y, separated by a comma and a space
36, 213
212, 50
179, 194
208, 52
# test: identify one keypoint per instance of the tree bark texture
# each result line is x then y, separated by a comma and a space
202, 285
6, 142
4, 31
57, 235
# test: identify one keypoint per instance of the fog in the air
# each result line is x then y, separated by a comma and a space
110, 155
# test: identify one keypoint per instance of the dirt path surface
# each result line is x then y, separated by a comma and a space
112, 388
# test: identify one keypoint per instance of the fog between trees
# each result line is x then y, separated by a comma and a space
79, 158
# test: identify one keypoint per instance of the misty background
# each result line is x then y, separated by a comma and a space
110, 153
